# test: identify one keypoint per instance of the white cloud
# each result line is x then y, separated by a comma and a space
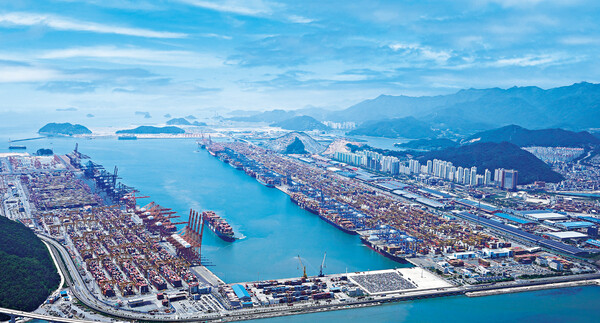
244, 8
137, 56
527, 3
62, 23
18, 74
529, 60
300, 19
252, 8
213, 35
580, 40
424, 52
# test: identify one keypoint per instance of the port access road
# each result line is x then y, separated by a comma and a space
14, 314
81, 292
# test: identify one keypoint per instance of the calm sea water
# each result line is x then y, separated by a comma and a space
276, 231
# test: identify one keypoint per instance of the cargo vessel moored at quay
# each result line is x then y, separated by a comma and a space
326, 214
381, 249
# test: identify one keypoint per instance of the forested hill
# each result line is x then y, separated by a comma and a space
28, 273
545, 137
64, 129
301, 123
408, 127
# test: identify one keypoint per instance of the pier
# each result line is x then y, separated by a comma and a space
26, 139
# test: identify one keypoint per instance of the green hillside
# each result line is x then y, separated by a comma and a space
64, 129
545, 137
28, 272
301, 123
408, 127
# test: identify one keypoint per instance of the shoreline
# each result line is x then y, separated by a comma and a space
521, 289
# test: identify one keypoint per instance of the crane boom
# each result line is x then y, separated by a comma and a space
322, 266
304, 267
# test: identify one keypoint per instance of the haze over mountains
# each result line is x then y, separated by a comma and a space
301, 123
575, 107
407, 127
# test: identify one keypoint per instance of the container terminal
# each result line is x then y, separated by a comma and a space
138, 262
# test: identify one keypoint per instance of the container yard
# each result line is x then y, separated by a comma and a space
352, 206
135, 261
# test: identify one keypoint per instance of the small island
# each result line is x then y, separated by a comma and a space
64, 129
152, 130
178, 122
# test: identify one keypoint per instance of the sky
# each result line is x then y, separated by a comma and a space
201, 55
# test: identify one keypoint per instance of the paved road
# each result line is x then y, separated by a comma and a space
16, 313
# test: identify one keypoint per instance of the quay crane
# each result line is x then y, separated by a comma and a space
322, 266
304, 268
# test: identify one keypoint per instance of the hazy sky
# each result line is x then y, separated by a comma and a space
255, 54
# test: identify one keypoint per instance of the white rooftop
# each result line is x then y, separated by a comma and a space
547, 216
567, 235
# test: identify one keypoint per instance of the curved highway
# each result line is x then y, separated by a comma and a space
80, 290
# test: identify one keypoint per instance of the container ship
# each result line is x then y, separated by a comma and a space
218, 225
328, 215
337, 221
309, 205
236, 164
127, 137
264, 181
383, 250
16, 147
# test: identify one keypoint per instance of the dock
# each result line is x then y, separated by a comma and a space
206, 275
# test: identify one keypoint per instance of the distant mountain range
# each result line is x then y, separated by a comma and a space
301, 123
267, 116
64, 129
490, 155
574, 107
152, 130
545, 138
407, 127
